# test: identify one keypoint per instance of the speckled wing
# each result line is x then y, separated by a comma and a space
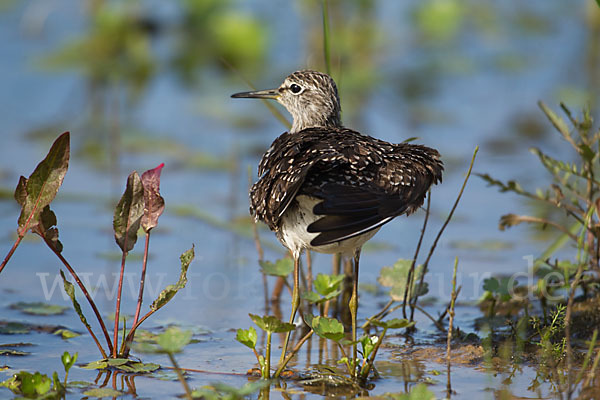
363, 182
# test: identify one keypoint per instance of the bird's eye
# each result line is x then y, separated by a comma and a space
295, 88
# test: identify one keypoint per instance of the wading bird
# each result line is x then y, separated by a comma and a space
327, 188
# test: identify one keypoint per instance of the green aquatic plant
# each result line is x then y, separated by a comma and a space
40, 386
140, 206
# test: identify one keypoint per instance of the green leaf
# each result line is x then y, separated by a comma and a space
14, 328
154, 204
100, 364
68, 360
70, 291
122, 364
38, 308
116, 362
491, 285
587, 153
327, 284
38, 191
167, 294
247, 337
311, 297
368, 344
272, 324
66, 333
33, 385
128, 213
102, 392
327, 328
557, 121
173, 340
394, 323
282, 267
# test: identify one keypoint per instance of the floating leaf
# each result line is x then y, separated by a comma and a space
327, 328
122, 364
14, 328
327, 284
66, 333
154, 204
272, 324
173, 340
247, 337
38, 191
100, 364
170, 291
103, 392
116, 362
8, 352
38, 308
128, 213
282, 267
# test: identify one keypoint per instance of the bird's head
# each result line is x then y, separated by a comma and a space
310, 96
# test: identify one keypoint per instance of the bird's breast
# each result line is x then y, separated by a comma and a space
294, 235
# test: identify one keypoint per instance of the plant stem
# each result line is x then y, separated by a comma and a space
411, 271
451, 310
378, 315
348, 366
267, 372
437, 238
142, 279
292, 354
11, 251
118, 306
326, 51
188, 391
89, 299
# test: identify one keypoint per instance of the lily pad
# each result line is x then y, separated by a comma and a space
38, 308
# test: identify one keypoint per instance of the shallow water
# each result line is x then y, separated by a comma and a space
485, 80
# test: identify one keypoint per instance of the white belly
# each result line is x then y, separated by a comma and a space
294, 236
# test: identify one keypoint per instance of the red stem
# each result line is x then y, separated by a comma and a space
118, 307
142, 280
10, 253
86, 294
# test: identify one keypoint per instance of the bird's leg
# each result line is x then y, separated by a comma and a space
295, 303
353, 305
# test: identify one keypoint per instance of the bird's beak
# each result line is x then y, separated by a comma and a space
257, 94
